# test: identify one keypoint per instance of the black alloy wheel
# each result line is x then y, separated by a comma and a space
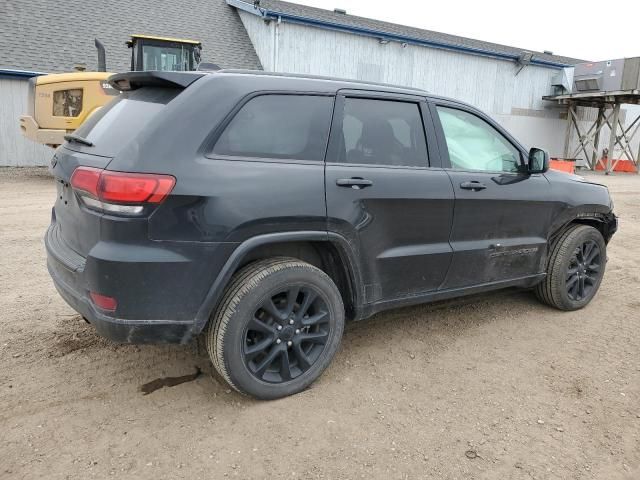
287, 334
583, 274
577, 259
277, 327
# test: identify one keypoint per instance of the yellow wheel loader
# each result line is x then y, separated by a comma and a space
60, 102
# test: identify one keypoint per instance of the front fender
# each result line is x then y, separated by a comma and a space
596, 215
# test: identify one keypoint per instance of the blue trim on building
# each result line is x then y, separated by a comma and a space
274, 15
18, 74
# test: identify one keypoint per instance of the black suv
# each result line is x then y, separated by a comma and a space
263, 210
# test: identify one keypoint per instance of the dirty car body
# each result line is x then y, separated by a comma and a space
389, 232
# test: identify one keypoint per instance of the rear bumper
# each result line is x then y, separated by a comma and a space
116, 329
159, 289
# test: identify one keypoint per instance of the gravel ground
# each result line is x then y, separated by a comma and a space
496, 386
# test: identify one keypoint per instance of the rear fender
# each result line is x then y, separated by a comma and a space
236, 259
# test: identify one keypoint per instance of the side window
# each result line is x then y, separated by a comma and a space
474, 144
382, 132
279, 126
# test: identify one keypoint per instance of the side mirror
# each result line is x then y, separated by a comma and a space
538, 161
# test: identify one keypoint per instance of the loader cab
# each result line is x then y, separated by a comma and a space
149, 53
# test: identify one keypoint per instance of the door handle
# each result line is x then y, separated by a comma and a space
354, 182
473, 185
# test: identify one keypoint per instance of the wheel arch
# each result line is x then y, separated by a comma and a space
606, 224
565, 285
329, 252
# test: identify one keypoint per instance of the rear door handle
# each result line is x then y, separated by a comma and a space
473, 185
354, 182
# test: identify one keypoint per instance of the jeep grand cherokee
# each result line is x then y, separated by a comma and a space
263, 210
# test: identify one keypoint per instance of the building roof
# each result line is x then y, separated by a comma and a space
46, 36
390, 31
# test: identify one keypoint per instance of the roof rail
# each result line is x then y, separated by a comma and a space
311, 76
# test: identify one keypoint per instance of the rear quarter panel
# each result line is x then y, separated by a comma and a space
231, 200
218, 199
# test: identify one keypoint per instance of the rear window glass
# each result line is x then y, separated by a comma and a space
279, 126
117, 123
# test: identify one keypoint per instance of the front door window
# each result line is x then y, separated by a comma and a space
473, 144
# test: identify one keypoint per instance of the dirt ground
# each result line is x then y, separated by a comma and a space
493, 387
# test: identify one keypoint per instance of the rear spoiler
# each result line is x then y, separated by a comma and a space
133, 80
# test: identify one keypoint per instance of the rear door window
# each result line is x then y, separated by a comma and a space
383, 132
279, 126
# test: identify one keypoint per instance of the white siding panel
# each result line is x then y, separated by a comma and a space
261, 37
513, 98
489, 84
15, 149
542, 132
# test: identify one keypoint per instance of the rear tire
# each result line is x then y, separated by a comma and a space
575, 269
277, 328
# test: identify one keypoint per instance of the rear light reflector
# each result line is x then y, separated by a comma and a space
110, 190
103, 302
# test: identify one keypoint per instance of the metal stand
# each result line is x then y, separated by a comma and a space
608, 105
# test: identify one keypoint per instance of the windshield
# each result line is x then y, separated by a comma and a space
178, 58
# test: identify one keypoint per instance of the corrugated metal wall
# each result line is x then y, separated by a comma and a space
487, 83
15, 149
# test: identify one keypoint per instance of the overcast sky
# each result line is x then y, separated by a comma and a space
566, 27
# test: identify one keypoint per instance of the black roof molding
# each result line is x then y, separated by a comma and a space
309, 76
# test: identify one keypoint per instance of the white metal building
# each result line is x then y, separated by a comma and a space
504, 81
15, 150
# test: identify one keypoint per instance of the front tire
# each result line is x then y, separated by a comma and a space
277, 328
575, 270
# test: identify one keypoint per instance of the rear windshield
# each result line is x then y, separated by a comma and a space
114, 125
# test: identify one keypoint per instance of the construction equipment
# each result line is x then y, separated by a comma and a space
59, 103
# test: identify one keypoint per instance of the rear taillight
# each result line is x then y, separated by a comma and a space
120, 192
121, 187
86, 179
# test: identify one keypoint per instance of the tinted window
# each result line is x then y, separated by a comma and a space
279, 126
474, 144
122, 119
383, 132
